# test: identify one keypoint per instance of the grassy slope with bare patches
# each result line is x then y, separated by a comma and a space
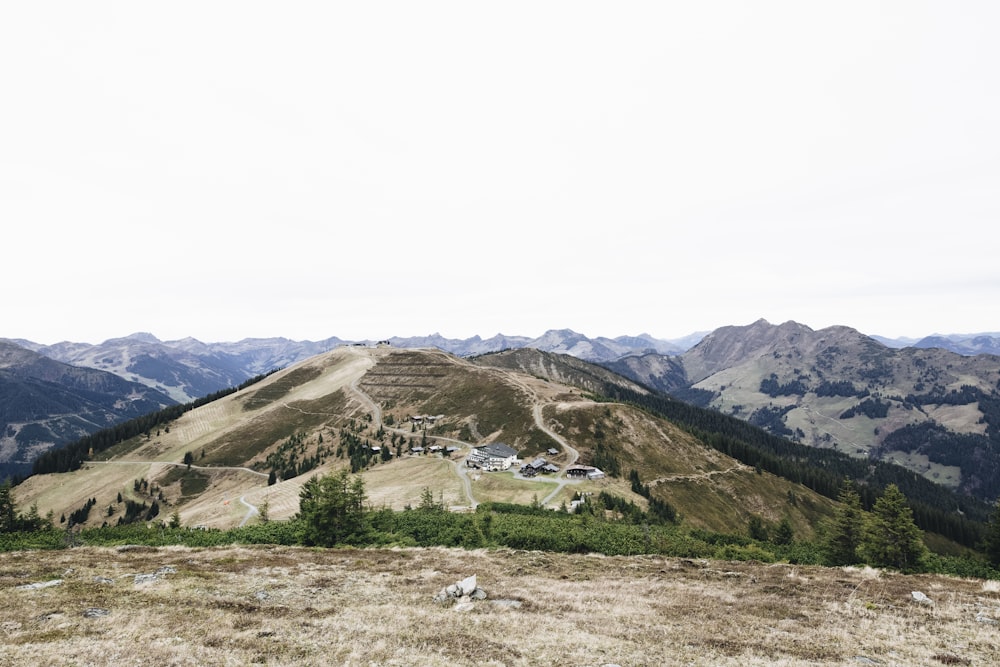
477, 404
298, 607
709, 490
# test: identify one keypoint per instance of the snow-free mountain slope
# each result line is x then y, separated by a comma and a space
334, 409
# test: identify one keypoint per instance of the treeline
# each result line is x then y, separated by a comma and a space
13, 521
976, 455
334, 513
72, 456
935, 508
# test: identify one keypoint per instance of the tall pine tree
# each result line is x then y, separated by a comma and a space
841, 535
8, 513
891, 537
332, 509
991, 543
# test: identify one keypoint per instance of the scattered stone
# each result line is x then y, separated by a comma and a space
104, 580
865, 661
921, 598
40, 585
95, 612
262, 596
149, 578
983, 618
462, 593
468, 585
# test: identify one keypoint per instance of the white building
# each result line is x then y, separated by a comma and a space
496, 456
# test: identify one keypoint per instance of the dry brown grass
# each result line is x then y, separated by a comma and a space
294, 606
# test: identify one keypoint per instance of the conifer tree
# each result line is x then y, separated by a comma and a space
842, 533
891, 538
8, 513
784, 533
991, 543
757, 530
331, 509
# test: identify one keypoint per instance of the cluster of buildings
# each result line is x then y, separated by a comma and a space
498, 456
537, 466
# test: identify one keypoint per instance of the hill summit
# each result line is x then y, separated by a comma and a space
406, 421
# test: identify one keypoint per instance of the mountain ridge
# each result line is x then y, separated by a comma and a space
931, 410
44, 402
354, 407
367, 408
186, 369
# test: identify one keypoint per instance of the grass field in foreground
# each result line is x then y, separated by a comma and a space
297, 606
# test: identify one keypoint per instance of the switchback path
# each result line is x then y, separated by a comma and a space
182, 465
538, 403
376, 412
690, 477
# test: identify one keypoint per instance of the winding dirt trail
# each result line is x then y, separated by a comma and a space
252, 511
376, 412
181, 465
690, 477
538, 404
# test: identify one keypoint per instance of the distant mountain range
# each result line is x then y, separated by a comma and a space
45, 403
358, 408
964, 344
767, 374
929, 409
187, 369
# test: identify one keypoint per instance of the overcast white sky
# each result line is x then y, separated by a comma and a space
227, 170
